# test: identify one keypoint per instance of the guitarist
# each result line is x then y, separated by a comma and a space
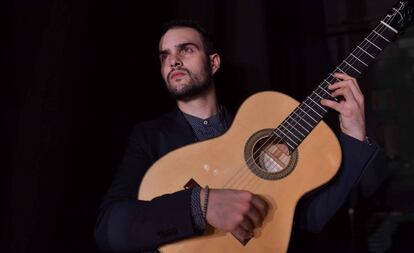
188, 64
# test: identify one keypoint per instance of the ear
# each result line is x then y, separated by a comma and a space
214, 62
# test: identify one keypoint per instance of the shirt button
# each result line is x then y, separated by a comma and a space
205, 122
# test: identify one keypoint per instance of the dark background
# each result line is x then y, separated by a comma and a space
77, 75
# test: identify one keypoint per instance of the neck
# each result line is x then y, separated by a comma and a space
202, 106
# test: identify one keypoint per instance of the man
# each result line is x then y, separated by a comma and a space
188, 64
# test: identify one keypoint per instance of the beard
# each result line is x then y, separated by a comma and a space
195, 86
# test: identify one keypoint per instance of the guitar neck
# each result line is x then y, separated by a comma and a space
297, 126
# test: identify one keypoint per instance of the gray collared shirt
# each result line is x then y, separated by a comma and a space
207, 128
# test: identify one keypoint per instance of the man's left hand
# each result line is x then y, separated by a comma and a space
350, 107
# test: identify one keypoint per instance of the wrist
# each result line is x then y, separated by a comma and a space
356, 135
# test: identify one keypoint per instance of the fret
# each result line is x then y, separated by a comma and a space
366, 65
281, 137
386, 33
357, 65
335, 79
291, 133
359, 72
287, 121
307, 114
328, 83
297, 122
379, 42
387, 40
312, 109
389, 27
371, 49
290, 146
329, 94
317, 95
287, 136
301, 118
316, 103
340, 70
350, 71
372, 43
366, 52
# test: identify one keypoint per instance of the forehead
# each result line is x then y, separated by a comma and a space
177, 36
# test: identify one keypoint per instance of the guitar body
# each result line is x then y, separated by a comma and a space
223, 162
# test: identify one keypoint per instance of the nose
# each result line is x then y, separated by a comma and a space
175, 62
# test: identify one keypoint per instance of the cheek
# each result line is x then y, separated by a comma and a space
164, 73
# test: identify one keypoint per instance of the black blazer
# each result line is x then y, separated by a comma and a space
128, 224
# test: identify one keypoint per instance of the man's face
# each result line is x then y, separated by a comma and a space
185, 66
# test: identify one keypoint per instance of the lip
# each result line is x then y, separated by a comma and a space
176, 74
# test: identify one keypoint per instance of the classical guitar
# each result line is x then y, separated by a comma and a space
276, 148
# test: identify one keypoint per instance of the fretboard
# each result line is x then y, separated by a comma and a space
296, 127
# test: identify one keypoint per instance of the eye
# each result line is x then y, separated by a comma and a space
163, 57
188, 50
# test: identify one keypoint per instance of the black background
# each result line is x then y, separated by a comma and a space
78, 74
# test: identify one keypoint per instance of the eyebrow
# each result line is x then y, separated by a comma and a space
180, 46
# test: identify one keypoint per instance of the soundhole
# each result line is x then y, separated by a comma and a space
268, 156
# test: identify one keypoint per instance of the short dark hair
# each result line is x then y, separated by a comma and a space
207, 38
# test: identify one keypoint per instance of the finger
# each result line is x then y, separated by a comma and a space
345, 77
331, 104
347, 85
242, 234
247, 224
345, 92
350, 82
343, 107
261, 206
254, 216
349, 104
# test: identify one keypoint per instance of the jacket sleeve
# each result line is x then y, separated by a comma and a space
127, 224
318, 208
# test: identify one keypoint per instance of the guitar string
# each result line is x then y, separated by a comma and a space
301, 115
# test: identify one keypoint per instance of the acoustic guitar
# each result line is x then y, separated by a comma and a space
276, 147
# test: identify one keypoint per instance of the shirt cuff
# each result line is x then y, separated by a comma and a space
196, 211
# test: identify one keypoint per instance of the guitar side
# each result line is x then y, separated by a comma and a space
220, 161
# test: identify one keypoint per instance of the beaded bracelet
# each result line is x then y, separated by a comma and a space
206, 193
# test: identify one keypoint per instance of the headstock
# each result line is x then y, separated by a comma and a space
401, 15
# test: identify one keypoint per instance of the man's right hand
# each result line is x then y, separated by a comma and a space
235, 211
